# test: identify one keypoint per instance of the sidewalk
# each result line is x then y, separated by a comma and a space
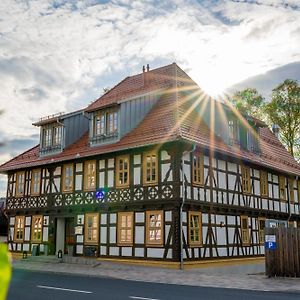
236, 277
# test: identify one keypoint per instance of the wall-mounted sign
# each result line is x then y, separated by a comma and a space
270, 242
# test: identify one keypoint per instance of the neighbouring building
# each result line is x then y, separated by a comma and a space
151, 158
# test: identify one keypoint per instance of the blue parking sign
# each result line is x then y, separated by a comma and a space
270, 245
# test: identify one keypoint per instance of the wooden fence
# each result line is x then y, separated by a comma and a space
283, 261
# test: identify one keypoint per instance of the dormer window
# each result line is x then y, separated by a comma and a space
233, 132
51, 136
46, 137
99, 122
112, 122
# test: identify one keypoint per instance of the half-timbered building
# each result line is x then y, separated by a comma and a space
154, 169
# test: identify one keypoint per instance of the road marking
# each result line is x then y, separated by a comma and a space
141, 298
62, 289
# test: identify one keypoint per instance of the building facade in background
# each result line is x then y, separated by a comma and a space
151, 158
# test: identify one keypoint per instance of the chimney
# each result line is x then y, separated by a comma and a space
275, 129
146, 75
148, 68
143, 69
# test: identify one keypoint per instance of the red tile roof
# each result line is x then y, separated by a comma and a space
167, 121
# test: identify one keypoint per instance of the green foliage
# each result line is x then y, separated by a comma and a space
5, 271
284, 110
249, 101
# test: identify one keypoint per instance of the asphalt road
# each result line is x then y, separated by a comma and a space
27, 285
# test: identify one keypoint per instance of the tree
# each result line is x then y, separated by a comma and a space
249, 101
284, 110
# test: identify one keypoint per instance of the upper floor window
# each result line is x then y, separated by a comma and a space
150, 168
264, 186
105, 123
20, 184
90, 175
245, 230
52, 136
282, 194
232, 132
246, 179
122, 171
198, 168
291, 189
35, 182
68, 178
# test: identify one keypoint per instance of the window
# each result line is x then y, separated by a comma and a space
261, 230
56, 135
99, 124
195, 229
91, 230
20, 184
125, 225
232, 132
245, 230
68, 178
282, 195
47, 136
150, 168
291, 189
19, 228
112, 122
264, 186
154, 228
35, 182
246, 180
198, 169
90, 175
36, 230
122, 171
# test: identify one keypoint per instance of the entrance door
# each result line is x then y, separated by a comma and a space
69, 236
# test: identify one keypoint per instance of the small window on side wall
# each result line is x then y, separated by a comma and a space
154, 228
19, 228
245, 230
35, 182
246, 179
198, 169
36, 229
68, 176
150, 167
123, 166
261, 230
195, 229
282, 193
90, 175
264, 186
20, 184
291, 190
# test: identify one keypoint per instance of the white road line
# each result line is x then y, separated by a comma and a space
141, 298
62, 289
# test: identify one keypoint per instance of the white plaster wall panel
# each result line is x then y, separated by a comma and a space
79, 238
164, 155
196, 253
167, 230
139, 217
170, 254
47, 183
168, 216
26, 247
214, 252
111, 163
231, 220
207, 196
78, 182
102, 164
156, 253
165, 169
137, 175
12, 221
256, 173
184, 229
103, 250
57, 184
204, 233
42, 248
103, 219
202, 197
184, 254
205, 176
214, 163
221, 165
139, 234
257, 187
110, 178
139, 252
103, 235
190, 252
112, 234
264, 204
27, 234
276, 192
113, 218
195, 191
187, 172
222, 180
188, 192
215, 199
231, 181
270, 190
220, 218
206, 160
19, 247
231, 167
275, 178
204, 218
220, 197
80, 219
101, 179
126, 251
283, 207
45, 234
184, 216
28, 221
12, 231
113, 250
221, 236
231, 232
47, 172
137, 159
262, 250
79, 167
79, 249
222, 251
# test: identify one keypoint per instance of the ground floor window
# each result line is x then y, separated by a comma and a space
125, 225
195, 229
91, 228
154, 227
19, 228
261, 230
245, 230
36, 228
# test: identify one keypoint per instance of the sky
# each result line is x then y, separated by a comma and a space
58, 55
